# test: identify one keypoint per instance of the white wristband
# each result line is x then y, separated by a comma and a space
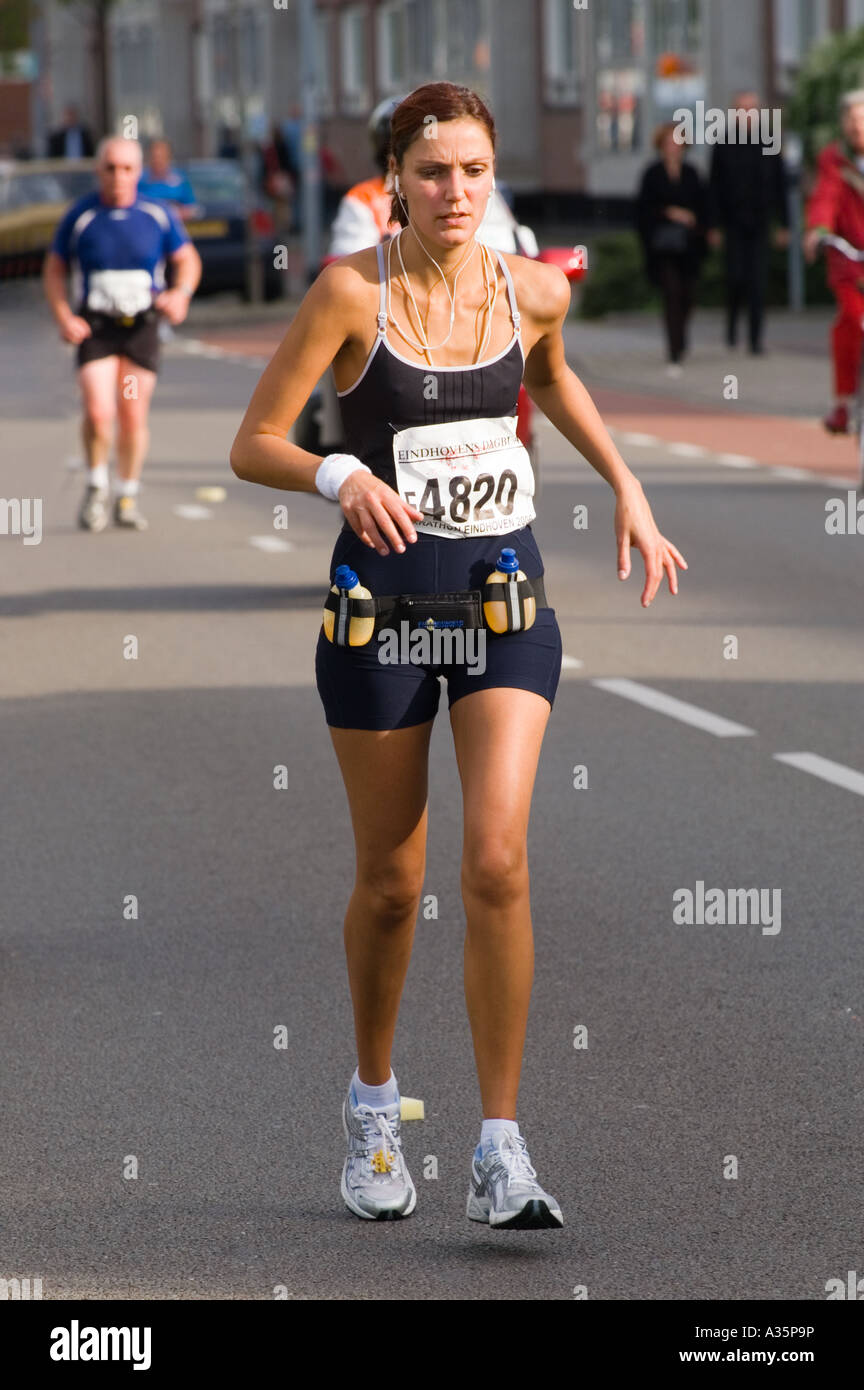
333, 471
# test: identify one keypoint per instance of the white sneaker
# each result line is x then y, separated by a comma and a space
375, 1181
504, 1189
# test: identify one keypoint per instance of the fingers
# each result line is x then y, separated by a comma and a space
624, 555
382, 518
653, 575
659, 561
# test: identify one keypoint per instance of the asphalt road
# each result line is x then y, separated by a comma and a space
147, 1044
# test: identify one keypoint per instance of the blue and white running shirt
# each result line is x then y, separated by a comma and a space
118, 255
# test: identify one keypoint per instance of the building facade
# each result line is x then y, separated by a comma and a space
576, 86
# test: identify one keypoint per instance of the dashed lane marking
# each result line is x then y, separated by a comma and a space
837, 773
675, 709
189, 511
270, 543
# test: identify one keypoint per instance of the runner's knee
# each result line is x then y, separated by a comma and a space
392, 892
100, 417
495, 870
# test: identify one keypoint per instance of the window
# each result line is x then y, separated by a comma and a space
620, 75
391, 47
420, 40
798, 25
466, 37
679, 78
355, 82
563, 29
135, 77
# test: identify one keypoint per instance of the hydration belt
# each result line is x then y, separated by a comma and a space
458, 608
98, 318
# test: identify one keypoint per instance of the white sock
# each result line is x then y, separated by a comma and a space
489, 1127
127, 487
98, 476
376, 1096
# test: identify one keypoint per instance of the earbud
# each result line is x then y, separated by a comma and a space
397, 184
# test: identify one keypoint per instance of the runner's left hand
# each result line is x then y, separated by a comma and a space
174, 304
634, 525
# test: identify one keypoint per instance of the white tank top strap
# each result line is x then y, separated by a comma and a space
511, 292
382, 292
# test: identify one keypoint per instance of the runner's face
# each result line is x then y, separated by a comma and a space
119, 172
448, 173
853, 125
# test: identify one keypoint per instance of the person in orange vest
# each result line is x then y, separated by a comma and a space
363, 217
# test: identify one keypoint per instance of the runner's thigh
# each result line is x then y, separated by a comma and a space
386, 775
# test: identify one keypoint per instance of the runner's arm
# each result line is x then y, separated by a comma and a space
260, 452
54, 270
559, 393
187, 264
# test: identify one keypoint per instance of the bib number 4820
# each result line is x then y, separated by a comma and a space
460, 503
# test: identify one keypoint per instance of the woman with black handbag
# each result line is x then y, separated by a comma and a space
671, 220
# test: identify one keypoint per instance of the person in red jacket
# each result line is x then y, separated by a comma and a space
837, 205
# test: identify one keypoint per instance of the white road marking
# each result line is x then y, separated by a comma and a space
800, 475
640, 440
676, 709
571, 663
829, 771
190, 512
198, 348
845, 483
689, 451
737, 460
271, 543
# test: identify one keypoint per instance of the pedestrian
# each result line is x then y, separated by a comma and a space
671, 215
72, 139
161, 179
117, 245
836, 205
433, 483
746, 188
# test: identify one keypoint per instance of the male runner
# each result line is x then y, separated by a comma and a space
117, 245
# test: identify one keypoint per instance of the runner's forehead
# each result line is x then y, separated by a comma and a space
121, 154
453, 143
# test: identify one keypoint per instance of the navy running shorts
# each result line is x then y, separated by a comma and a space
358, 691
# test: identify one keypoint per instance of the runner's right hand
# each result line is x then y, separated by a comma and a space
74, 329
375, 511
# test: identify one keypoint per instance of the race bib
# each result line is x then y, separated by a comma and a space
119, 292
468, 477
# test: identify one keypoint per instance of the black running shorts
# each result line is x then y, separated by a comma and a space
358, 691
139, 340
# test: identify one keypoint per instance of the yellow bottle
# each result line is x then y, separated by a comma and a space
502, 615
360, 630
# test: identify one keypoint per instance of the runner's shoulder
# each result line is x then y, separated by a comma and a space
350, 286
542, 290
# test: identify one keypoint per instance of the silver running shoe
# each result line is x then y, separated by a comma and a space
93, 515
375, 1181
126, 514
504, 1189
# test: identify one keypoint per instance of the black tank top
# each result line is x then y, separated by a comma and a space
391, 393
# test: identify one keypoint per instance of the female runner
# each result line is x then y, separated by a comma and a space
427, 336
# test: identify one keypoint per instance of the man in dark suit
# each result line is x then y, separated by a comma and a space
72, 140
746, 188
